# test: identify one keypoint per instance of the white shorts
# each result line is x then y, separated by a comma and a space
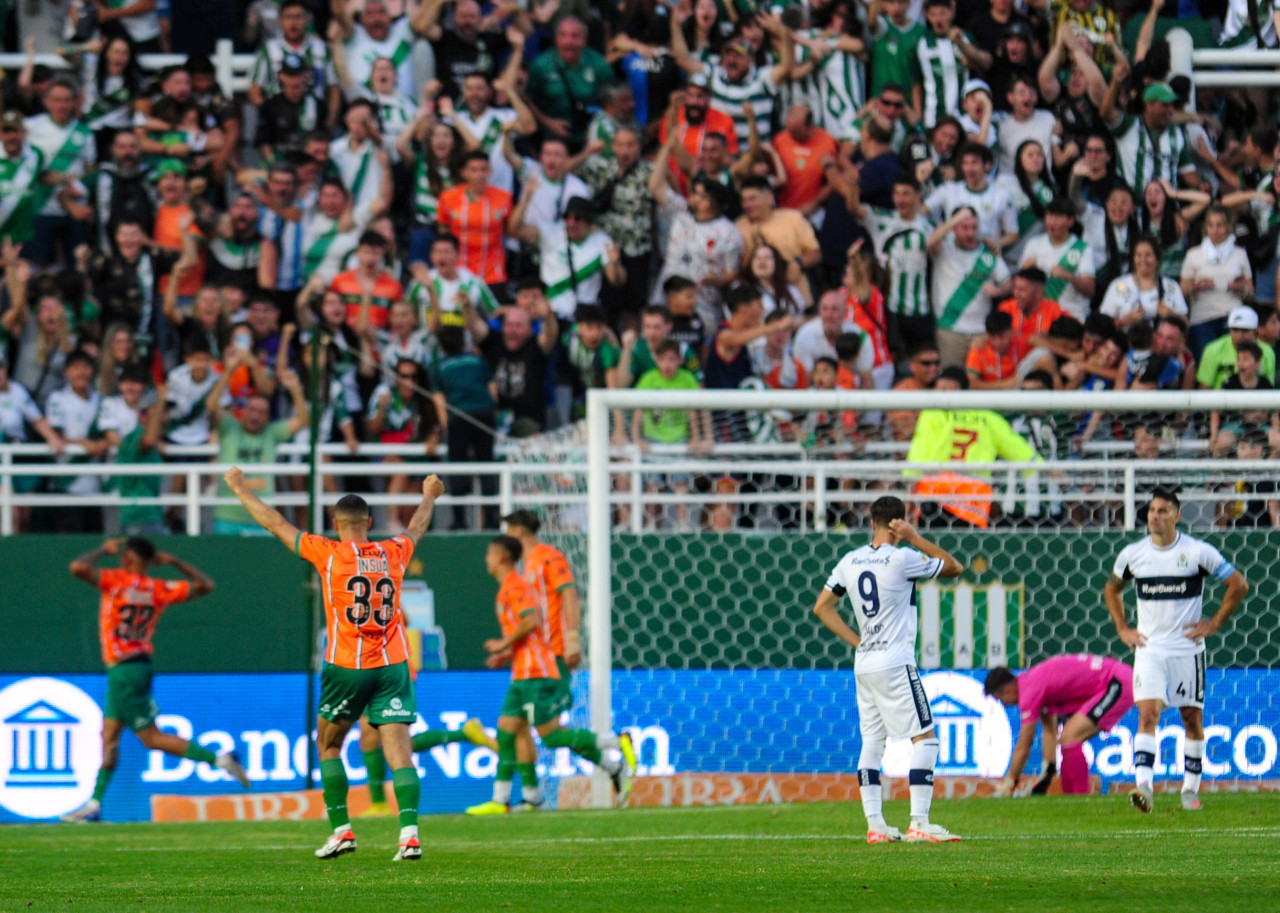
1175, 681
892, 704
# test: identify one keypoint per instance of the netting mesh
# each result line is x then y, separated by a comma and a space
720, 666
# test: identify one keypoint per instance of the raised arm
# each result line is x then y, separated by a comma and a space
301, 408
201, 583
342, 16
426, 21
268, 518
680, 47
83, 567
432, 488
910, 535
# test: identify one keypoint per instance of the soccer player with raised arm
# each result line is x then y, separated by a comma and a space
546, 569
131, 605
534, 695
1169, 568
880, 580
367, 656
1089, 693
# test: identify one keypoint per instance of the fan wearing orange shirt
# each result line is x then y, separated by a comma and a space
1032, 314
131, 605
532, 699
366, 668
369, 290
695, 121
477, 215
805, 151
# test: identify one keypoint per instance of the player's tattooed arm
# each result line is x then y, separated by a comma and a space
201, 583
827, 610
432, 488
1115, 607
83, 567
267, 517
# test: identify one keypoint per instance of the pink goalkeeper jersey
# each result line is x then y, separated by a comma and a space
1066, 684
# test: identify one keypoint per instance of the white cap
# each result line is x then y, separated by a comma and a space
1243, 318
975, 85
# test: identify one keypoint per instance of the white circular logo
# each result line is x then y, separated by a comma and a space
974, 736
50, 747
396, 703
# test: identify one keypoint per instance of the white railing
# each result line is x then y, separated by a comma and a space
231, 70
1244, 67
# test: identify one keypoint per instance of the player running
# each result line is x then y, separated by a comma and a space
880, 580
546, 569
534, 695
131, 605
1092, 693
367, 657
1169, 654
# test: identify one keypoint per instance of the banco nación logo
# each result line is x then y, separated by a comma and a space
50, 747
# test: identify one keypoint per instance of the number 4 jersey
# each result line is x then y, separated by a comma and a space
131, 606
361, 586
881, 584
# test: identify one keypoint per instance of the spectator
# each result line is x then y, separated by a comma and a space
361, 161
805, 151
1030, 313
1226, 428
1216, 276
143, 444
592, 361
924, 364
864, 306
376, 36
72, 412
696, 122
463, 390
236, 246
575, 259
23, 165
118, 352
766, 272
369, 290
624, 208
943, 55
1150, 145
1004, 360
547, 181
1218, 361
901, 241
1030, 190
45, 340
477, 213
252, 439
966, 276
1144, 368
1262, 510
1143, 294
18, 413
670, 426
1065, 259
112, 82
617, 110
997, 219
69, 152
772, 359
565, 81
1162, 217
481, 124
893, 50
1014, 59
436, 150
291, 112
138, 20
119, 414
295, 40
1027, 122
463, 47
786, 229
687, 326
280, 266
817, 337
519, 359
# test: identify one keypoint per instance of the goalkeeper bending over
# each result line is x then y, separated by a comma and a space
1091, 692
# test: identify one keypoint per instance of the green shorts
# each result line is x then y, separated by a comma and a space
384, 694
538, 700
129, 697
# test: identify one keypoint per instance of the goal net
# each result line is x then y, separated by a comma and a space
702, 568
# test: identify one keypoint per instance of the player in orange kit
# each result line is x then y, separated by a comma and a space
366, 661
131, 605
533, 699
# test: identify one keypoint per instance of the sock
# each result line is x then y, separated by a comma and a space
408, 790
333, 780
528, 776
104, 778
196, 753
409, 830
582, 742
506, 767
924, 755
1144, 760
424, 741
531, 794
1192, 758
377, 769
1075, 770
872, 800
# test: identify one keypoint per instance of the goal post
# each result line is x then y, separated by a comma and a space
971, 626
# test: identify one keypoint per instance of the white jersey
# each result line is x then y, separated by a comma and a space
360, 170
452, 294
1170, 589
73, 416
487, 129
68, 150
395, 113
546, 206
1073, 255
881, 583
17, 409
397, 47
844, 92
314, 53
572, 272
324, 247
996, 215
117, 415
188, 416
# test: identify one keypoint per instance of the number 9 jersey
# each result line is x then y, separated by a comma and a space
361, 584
880, 582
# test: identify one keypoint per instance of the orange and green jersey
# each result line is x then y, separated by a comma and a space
480, 226
531, 657
386, 292
130, 607
361, 584
547, 570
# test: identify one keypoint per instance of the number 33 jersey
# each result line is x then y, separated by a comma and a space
131, 606
881, 583
361, 585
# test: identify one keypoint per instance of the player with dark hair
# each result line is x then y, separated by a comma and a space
1089, 694
131, 605
534, 699
367, 656
1169, 568
880, 580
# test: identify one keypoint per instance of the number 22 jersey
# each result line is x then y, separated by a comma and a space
361, 584
881, 583
131, 605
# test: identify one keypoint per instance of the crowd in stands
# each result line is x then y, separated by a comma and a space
441, 222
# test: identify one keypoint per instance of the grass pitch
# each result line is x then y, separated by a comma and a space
1084, 855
